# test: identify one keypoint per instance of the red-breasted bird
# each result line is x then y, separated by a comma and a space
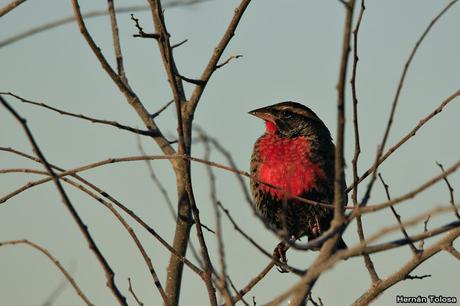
295, 154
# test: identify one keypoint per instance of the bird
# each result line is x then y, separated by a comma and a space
293, 158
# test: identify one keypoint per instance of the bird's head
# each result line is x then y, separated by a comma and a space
290, 119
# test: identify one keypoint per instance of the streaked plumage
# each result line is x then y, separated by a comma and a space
295, 153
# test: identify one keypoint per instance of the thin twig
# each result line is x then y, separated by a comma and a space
218, 51
130, 96
156, 181
190, 80
425, 229
140, 30
164, 107
186, 205
407, 268
130, 289
165, 195
256, 245
110, 275
223, 284
254, 281
129, 229
228, 60
55, 262
56, 293
118, 204
355, 212
381, 147
417, 276
179, 44
309, 279
409, 135
376, 289
237, 292
219, 147
415, 251
451, 190
453, 251
409, 195
363, 248
367, 259
96, 13
81, 116
153, 157
170, 67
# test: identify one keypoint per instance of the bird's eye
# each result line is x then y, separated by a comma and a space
286, 114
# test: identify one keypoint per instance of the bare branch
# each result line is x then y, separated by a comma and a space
237, 292
451, 190
309, 279
381, 147
191, 81
156, 181
10, 6
55, 262
164, 193
84, 117
228, 60
130, 96
130, 289
255, 244
409, 135
317, 268
179, 44
417, 276
355, 212
140, 30
109, 274
158, 112
174, 79
218, 51
415, 251
425, 229
402, 242
96, 13
129, 229
453, 251
116, 41
219, 147
339, 182
367, 260
254, 281
118, 204
409, 195
222, 284
402, 274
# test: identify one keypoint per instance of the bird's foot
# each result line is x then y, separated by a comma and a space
316, 228
280, 253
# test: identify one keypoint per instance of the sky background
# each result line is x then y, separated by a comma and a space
291, 51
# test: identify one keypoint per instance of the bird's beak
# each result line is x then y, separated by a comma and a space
262, 113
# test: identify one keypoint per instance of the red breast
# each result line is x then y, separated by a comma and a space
285, 163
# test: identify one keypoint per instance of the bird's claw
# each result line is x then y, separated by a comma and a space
280, 254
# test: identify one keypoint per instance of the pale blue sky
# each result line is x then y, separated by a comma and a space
291, 51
